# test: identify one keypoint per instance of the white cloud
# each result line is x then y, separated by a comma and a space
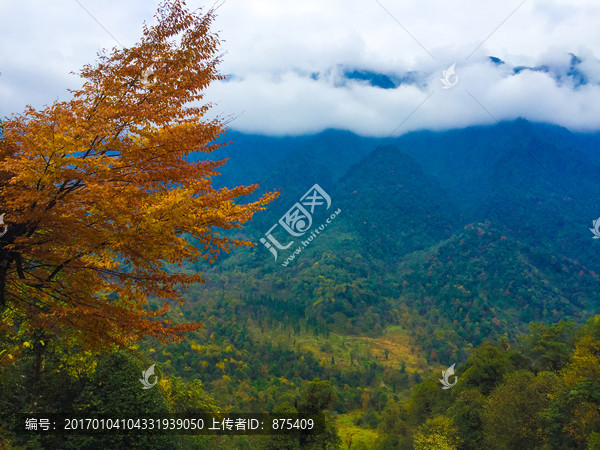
272, 47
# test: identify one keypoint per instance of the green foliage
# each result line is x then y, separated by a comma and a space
112, 389
503, 401
317, 397
438, 433
550, 345
513, 412
486, 368
461, 261
467, 414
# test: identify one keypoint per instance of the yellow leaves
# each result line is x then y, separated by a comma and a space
75, 361
10, 356
101, 192
585, 363
164, 384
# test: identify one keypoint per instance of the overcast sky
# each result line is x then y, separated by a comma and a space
287, 60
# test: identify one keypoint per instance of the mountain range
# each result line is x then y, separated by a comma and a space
472, 232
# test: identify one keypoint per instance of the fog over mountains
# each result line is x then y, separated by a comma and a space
498, 217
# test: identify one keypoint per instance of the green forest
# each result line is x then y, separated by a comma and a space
540, 392
436, 290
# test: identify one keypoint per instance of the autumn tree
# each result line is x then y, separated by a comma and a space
101, 192
437, 433
578, 409
513, 413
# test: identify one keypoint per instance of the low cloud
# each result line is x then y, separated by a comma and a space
297, 103
289, 61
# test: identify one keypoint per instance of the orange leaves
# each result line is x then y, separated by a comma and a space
99, 193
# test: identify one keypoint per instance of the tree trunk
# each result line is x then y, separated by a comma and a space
37, 367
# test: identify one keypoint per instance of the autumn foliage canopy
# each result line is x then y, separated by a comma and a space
99, 193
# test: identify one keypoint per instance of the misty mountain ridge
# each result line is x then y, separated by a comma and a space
490, 223
569, 73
